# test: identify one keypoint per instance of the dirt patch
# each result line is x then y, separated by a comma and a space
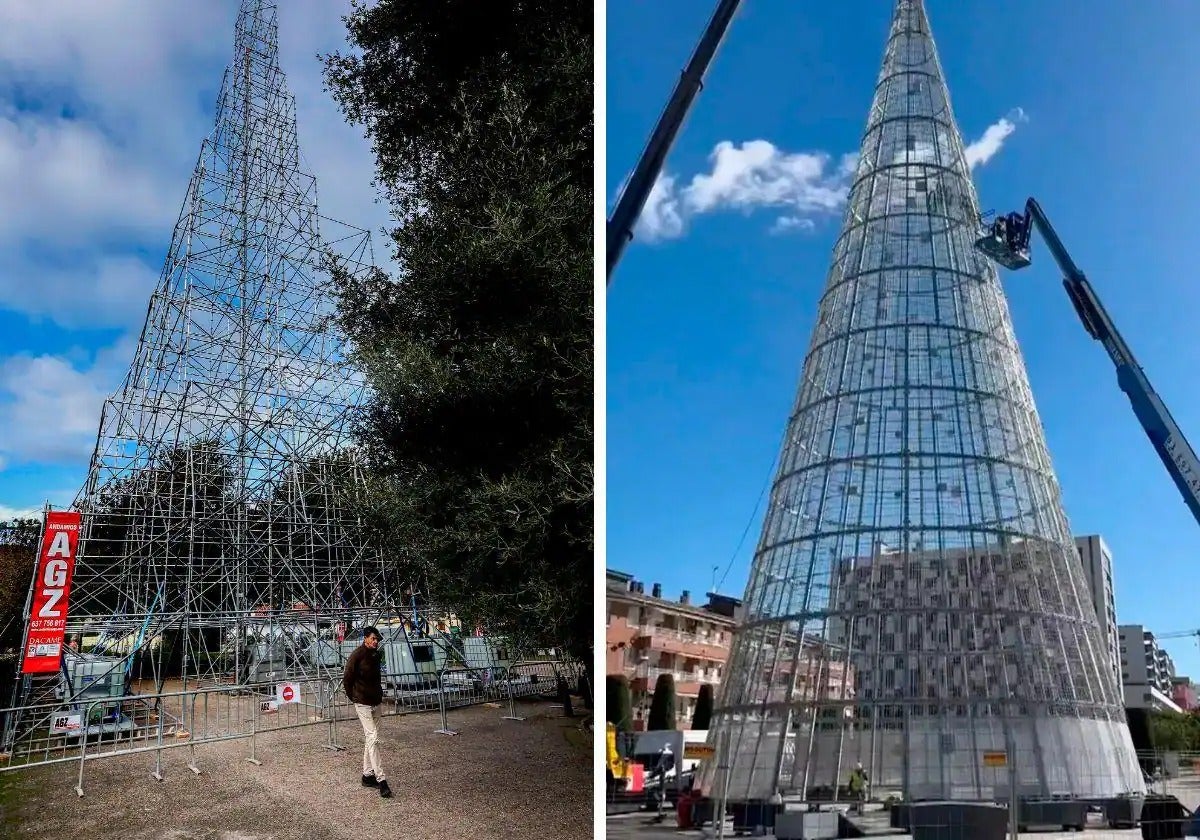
496, 778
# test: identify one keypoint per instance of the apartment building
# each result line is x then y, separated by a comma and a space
1183, 694
1098, 570
922, 626
648, 635
1147, 671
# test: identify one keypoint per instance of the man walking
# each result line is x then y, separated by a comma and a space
363, 682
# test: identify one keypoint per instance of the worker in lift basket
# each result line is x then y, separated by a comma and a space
363, 682
858, 786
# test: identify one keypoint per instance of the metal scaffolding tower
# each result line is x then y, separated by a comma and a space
218, 534
916, 602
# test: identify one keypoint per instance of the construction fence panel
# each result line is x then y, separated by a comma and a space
40, 733
155, 723
95, 728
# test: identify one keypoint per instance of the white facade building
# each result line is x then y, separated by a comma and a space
1146, 670
1097, 568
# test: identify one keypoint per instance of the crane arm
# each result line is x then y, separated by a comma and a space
1008, 243
1179, 634
633, 197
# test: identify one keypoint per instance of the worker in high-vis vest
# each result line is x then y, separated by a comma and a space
858, 786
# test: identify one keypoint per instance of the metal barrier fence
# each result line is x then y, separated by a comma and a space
1114, 819
1170, 809
97, 728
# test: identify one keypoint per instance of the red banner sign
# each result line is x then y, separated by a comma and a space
48, 622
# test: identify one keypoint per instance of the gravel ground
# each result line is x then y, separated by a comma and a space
496, 778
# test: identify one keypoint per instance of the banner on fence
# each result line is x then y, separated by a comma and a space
66, 724
267, 706
51, 586
288, 692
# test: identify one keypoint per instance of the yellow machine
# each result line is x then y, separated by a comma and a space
625, 775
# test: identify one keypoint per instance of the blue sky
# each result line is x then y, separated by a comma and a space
708, 324
103, 107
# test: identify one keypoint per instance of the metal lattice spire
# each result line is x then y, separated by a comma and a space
916, 598
215, 495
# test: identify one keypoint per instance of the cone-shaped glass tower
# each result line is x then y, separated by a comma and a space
916, 599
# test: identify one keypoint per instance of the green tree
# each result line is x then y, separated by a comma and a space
662, 704
619, 702
177, 507
704, 708
313, 511
1175, 732
25, 532
479, 350
19, 540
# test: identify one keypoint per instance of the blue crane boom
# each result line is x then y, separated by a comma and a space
1007, 242
649, 165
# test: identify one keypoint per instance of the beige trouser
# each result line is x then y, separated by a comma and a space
368, 716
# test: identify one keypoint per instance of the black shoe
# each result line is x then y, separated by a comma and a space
369, 780
384, 790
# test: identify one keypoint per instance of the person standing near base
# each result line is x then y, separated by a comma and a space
858, 787
363, 682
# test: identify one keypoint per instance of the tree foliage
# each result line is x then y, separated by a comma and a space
618, 702
479, 351
176, 507
23, 532
187, 504
662, 704
19, 540
1173, 731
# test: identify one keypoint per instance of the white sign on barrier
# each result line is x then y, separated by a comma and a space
267, 706
288, 693
66, 724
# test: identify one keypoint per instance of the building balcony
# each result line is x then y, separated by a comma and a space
695, 646
820, 672
620, 632
831, 697
687, 683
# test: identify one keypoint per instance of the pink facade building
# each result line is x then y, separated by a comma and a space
1183, 694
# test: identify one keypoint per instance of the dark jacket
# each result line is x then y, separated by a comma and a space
363, 678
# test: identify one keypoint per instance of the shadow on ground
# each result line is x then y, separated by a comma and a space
496, 778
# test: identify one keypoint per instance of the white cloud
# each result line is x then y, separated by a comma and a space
70, 184
807, 186
661, 216
9, 513
50, 405
758, 174
85, 291
752, 175
103, 108
982, 150
789, 223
